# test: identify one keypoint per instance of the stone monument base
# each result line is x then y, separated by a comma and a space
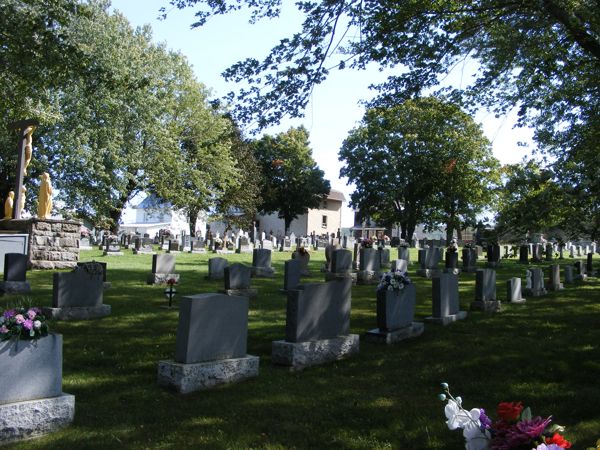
535, 292
428, 273
518, 300
299, 355
77, 313
33, 418
161, 278
263, 272
198, 251
486, 306
143, 252
250, 292
581, 277
368, 277
14, 287
186, 378
446, 320
558, 287
330, 276
112, 253
389, 337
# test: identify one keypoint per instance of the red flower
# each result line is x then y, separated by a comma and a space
171, 281
509, 410
558, 440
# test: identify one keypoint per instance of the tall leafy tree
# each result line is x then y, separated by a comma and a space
422, 161
291, 181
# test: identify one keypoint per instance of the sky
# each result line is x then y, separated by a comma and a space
334, 108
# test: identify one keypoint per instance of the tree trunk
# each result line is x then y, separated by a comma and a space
449, 232
116, 211
192, 217
410, 230
287, 222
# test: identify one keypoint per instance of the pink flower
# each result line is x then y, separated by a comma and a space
19, 318
28, 324
31, 314
3, 329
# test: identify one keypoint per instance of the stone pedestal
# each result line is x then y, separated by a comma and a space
299, 355
249, 292
77, 313
486, 306
33, 418
445, 320
186, 378
14, 287
329, 276
390, 337
53, 244
368, 277
161, 278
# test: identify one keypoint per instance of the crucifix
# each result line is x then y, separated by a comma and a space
25, 127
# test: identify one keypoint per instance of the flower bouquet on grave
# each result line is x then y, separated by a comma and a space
515, 428
170, 291
23, 323
367, 243
302, 251
452, 247
393, 281
403, 244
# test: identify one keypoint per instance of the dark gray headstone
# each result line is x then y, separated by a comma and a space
485, 285
493, 253
318, 311
404, 253
396, 309
15, 267
173, 245
291, 275
261, 257
384, 257
469, 258
341, 261
432, 257
211, 327
451, 260
589, 263
82, 287
369, 259
102, 264
445, 295
163, 263
237, 276
524, 254
216, 268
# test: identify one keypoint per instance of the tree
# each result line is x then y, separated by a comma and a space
422, 161
541, 56
532, 201
291, 181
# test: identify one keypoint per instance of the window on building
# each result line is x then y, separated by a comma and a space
324, 222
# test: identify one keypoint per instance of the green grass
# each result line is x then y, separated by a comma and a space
544, 353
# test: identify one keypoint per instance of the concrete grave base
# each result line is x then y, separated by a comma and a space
250, 292
15, 287
77, 313
390, 337
581, 277
186, 378
446, 320
107, 285
329, 276
298, 355
25, 420
368, 277
558, 287
428, 273
535, 292
199, 250
161, 278
486, 306
263, 272
173, 252
224, 252
112, 253
142, 252
518, 300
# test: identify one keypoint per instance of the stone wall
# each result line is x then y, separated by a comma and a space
53, 244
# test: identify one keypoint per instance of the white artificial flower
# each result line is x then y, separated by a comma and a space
37, 324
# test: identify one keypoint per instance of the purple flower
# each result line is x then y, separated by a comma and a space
486, 423
28, 324
3, 329
519, 435
9, 313
31, 314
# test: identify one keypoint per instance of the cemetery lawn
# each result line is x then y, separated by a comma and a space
544, 353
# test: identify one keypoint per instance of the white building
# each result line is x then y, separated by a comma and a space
326, 219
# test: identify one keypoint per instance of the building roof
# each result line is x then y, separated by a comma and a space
153, 202
336, 195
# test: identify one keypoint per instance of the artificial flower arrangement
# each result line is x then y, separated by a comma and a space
393, 281
23, 323
367, 243
452, 247
515, 428
302, 251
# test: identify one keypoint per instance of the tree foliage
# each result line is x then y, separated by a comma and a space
422, 161
291, 181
